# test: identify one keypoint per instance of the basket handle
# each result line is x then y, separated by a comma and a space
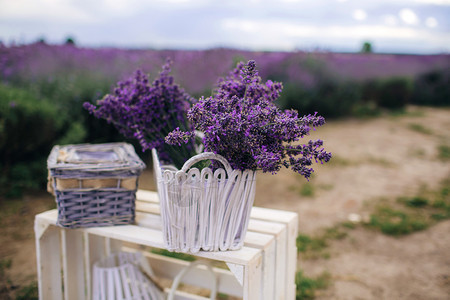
177, 280
204, 156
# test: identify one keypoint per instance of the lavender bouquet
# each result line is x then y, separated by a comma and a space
148, 112
242, 123
241, 126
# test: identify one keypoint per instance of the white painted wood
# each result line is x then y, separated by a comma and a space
279, 231
253, 279
180, 295
212, 278
94, 251
268, 258
112, 246
148, 207
238, 271
149, 220
290, 219
167, 267
73, 264
267, 243
291, 268
149, 196
48, 253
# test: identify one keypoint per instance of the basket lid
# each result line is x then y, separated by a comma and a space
95, 157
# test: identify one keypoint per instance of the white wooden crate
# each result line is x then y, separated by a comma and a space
263, 269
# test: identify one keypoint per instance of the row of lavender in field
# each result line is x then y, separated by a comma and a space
197, 70
42, 88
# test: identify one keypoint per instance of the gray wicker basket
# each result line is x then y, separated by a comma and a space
94, 184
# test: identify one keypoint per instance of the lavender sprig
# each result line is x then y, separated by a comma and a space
242, 123
148, 112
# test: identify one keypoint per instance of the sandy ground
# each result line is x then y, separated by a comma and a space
380, 158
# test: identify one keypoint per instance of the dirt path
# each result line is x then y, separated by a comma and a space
381, 158
375, 159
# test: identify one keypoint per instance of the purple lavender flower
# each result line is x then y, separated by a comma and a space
148, 112
242, 123
178, 137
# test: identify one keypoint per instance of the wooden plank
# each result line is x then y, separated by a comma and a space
112, 246
252, 280
148, 196
94, 251
267, 243
167, 267
153, 238
73, 264
279, 231
290, 219
149, 207
180, 295
149, 220
273, 215
48, 255
291, 268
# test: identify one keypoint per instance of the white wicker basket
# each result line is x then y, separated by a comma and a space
204, 210
124, 275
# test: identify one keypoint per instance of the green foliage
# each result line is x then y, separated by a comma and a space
444, 152
366, 47
415, 201
307, 286
442, 203
411, 214
307, 190
335, 98
365, 109
390, 93
420, 128
178, 255
70, 41
396, 222
29, 126
329, 97
395, 92
306, 243
432, 88
28, 292
314, 247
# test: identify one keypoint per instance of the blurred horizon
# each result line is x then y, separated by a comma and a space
391, 27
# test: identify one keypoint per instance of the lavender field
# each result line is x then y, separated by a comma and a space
197, 71
386, 127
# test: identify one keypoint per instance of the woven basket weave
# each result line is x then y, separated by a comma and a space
204, 209
94, 184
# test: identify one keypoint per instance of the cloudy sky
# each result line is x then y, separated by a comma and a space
399, 26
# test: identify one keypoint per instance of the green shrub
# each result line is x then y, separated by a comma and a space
432, 88
444, 152
390, 93
396, 222
330, 97
416, 201
29, 127
307, 190
420, 128
307, 286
